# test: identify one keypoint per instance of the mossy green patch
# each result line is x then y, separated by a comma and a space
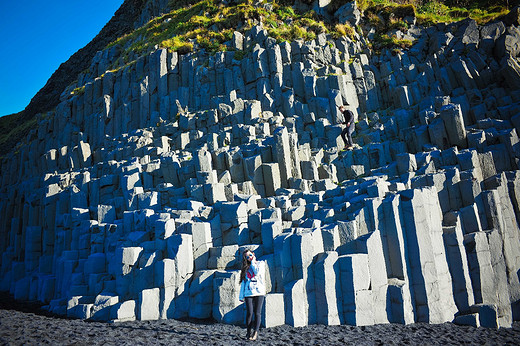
386, 41
79, 90
434, 11
386, 15
209, 24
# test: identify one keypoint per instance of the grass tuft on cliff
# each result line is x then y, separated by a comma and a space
386, 16
435, 11
208, 24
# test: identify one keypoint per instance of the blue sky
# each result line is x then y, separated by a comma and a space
37, 36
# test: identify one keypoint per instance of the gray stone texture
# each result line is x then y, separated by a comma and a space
135, 198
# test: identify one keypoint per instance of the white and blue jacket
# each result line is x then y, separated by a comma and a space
254, 283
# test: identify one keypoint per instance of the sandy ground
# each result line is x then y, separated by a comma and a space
27, 325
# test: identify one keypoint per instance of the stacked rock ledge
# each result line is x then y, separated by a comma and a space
135, 199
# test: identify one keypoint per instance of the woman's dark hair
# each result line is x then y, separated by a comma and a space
245, 265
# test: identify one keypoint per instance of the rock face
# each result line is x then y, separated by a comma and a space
136, 198
349, 13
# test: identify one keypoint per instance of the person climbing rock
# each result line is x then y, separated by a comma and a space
348, 120
252, 290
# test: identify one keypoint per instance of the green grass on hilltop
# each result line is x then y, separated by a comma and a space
436, 11
387, 15
210, 24
482, 12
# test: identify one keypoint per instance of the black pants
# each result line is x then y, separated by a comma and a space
348, 131
254, 307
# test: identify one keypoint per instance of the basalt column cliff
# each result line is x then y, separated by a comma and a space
135, 197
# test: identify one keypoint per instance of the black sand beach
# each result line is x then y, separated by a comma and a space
25, 324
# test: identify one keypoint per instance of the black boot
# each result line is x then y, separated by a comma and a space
248, 334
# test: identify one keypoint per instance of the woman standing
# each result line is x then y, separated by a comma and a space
252, 290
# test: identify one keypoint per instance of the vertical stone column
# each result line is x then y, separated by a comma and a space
488, 285
458, 265
272, 178
180, 248
296, 305
33, 239
148, 308
226, 306
371, 244
202, 242
295, 156
357, 302
273, 313
430, 278
201, 303
451, 114
481, 272
304, 247
498, 263
283, 155
326, 281
144, 103
162, 72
